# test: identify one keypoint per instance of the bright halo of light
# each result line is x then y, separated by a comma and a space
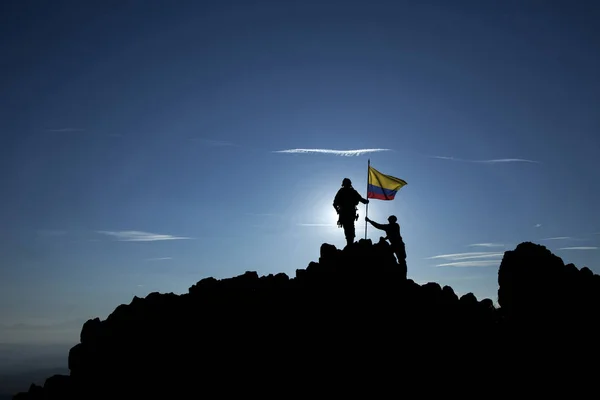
322, 215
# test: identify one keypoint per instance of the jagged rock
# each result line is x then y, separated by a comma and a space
203, 286
449, 294
469, 300
538, 290
58, 386
90, 332
35, 392
586, 272
487, 304
328, 252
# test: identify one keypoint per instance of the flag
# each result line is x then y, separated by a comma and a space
382, 187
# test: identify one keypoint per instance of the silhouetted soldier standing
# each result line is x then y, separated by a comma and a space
345, 202
392, 231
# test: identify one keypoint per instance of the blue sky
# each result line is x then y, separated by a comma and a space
141, 142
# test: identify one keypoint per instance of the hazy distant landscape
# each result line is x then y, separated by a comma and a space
11, 383
24, 364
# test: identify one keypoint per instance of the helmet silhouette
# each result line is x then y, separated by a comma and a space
392, 219
346, 182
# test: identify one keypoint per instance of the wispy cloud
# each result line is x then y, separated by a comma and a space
137, 236
475, 259
579, 248
479, 263
490, 161
159, 259
486, 245
65, 130
537, 226
467, 256
345, 153
561, 238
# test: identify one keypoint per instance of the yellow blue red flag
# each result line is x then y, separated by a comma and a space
381, 186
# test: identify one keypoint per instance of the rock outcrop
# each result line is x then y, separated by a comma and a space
349, 324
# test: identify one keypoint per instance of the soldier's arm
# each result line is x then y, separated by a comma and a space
378, 226
360, 198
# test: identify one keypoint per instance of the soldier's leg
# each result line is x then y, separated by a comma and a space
349, 231
400, 253
351, 236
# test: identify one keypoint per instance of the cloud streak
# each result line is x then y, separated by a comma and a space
138, 236
343, 153
486, 245
478, 263
490, 161
471, 259
467, 256
159, 259
564, 238
579, 248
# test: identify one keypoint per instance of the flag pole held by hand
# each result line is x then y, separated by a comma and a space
367, 206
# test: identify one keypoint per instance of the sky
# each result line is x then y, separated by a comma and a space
145, 145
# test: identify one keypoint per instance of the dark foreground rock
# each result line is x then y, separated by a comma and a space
349, 324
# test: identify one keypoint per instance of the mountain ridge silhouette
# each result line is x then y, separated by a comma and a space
350, 323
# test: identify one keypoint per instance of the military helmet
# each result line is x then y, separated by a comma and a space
392, 219
346, 182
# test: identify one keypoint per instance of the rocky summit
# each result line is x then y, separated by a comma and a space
349, 324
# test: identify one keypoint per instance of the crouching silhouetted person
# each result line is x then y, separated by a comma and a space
345, 202
392, 231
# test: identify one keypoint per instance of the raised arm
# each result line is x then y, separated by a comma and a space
376, 225
360, 198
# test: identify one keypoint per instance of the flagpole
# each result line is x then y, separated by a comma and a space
367, 206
